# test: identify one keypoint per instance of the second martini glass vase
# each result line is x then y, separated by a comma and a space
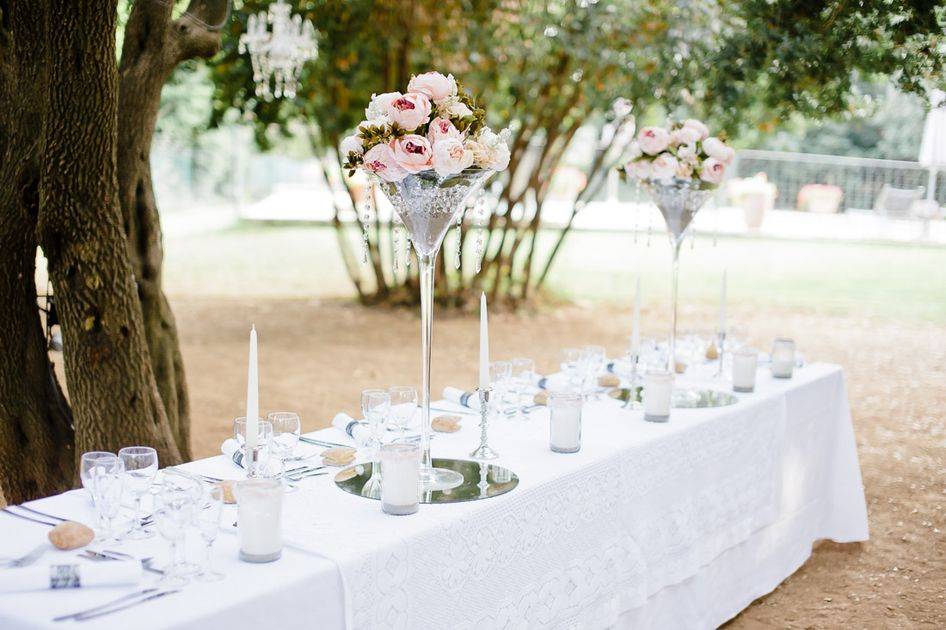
678, 201
428, 205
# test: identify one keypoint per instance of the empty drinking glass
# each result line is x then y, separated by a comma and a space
375, 407
403, 406
107, 480
141, 465
286, 430
173, 516
262, 451
87, 461
571, 359
499, 374
208, 522
592, 362
522, 377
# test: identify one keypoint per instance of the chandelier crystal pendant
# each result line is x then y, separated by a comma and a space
278, 55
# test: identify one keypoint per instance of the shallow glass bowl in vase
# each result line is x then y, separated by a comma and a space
428, 204
678, 201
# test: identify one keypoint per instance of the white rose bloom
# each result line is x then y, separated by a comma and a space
351, 144
376, 112
634, 150
664, 166
451, 107
697, 125
450, 156
490, 150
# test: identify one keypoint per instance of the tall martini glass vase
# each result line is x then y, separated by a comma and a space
428, 205
678, 201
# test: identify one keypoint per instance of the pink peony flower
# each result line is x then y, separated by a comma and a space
712, 171
664, 166
638, 169
412, 153
450, 156
380, 160
410, 110
653, 140
716, 148
684, 135
433, 85
377, 111
441, 128
698, 126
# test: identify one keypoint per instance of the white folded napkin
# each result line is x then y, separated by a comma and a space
231, 448
34, 578
360, 432
470, 400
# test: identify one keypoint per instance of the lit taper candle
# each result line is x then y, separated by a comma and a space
484, 344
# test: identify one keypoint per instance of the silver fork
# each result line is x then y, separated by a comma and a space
105, 555
108, 604
27, 559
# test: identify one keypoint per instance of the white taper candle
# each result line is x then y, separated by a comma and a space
484, 344
252, 400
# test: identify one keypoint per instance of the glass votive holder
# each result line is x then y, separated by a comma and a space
400, 478
783, 358
565, 421
658, 393
259, 519
745, 362
256, 466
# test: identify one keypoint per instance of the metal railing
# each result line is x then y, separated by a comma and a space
860, 179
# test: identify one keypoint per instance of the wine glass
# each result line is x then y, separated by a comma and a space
286, 431
375, 407
193, 488
208, 522
264, 438
571, 359
174, 515
499, 375
107, 481
593, 360
87, 462
141, 465
522, 374
403, 406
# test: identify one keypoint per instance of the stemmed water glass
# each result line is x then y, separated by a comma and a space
208, 522
107, 480
87, 462
499, 375
286, 431
571, 360
403, 406
522, 374
593, 360
174, 515
375, 407
141, 465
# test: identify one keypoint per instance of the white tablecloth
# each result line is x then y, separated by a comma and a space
674, 525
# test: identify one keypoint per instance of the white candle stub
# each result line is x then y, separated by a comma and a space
400, 475
259, 519
564, 422
744, 365
658, 393
783, 358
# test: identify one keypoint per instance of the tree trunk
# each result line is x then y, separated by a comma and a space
154, 45
112, 388
36, 438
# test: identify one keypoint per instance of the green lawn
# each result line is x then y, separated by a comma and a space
895, 281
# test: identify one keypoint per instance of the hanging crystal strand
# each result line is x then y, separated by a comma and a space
481, 221
395, 244
459, 260
365, 220
637, 208
716, 225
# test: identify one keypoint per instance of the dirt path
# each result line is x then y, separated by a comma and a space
316, 357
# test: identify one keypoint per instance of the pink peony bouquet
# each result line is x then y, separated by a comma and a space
682, 152
434, 126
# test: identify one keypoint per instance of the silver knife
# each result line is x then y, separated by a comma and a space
115, 609
109, 604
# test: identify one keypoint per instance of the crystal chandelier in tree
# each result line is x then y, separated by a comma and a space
278, 56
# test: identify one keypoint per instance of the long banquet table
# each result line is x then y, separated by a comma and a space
677, 525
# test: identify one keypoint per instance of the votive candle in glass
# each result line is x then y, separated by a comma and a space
565, 421
745, 362
400, 476
658, 393
783, 358
259, 519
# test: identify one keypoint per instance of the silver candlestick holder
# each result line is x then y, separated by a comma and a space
484, 451
721, 342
